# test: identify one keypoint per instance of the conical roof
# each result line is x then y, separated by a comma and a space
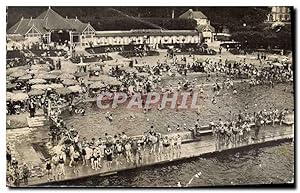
53, 21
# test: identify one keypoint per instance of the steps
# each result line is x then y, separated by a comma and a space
37, 121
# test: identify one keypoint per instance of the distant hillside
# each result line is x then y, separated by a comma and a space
120, 18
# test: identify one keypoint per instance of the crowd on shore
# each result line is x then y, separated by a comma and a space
113, 151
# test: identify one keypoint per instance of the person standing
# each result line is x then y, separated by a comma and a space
76, 156
8, 157
48, 169
108, 153
55, 162
61, 162
25, 173
257, 126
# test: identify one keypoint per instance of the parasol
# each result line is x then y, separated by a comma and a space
97, 85
18, 73
69, 82
36, 92
56, 72
37, 81
80, 74
19, 97
75, 89
277, 64
63, 91
66, 76
10, 85
9, 96
25, 77
46, 76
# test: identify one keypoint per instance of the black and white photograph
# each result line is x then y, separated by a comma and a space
150, 96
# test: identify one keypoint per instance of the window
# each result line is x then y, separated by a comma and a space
33, 32
89, 31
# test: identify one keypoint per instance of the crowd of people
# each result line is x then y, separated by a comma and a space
237, 130
113, 151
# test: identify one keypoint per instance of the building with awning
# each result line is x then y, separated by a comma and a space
51, 27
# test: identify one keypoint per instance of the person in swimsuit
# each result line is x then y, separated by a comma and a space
8, 157
61, 162
178, 144
55, 163
48, 169
76, 157
119, 149
94, 161
166, 145
108, 153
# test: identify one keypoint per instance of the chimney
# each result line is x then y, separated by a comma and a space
190, 13
173, 14
76, 18
66, 17
22, 18
30, 21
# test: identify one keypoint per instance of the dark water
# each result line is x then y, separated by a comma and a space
266, 165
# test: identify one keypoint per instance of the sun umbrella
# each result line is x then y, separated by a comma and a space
10, 85
46, 86
9, 78
277, 64
66, 76
115, 83
80, 74
36, 92
40, 86
14, 69
97, 85
131, 70
9, 96
95, 78
95, 68
18, 73
63, 91
37, 81
19, 97
38, 66
46, 76
199, 60
56, 72
231, 61
139, 65
75, 89
69, 82
25, 77
55, 86
143, 74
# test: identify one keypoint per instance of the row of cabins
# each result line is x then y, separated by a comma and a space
51, 27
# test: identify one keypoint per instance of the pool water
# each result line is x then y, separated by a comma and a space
135, 122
